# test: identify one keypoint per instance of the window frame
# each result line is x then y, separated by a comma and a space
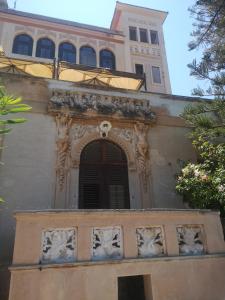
87, 46
136, 34
30, 44
52, 56
113, 58
74, 51
146, 35
160, 73
157, 34
139, 64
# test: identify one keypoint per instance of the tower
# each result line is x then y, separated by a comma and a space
3, 4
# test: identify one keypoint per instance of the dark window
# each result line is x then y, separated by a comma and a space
103, 178
23, 44
139, 69
45, 48
67, 52
107, 59
131, 288
143, 35
154, 37
87, 56
156, 75
133, 33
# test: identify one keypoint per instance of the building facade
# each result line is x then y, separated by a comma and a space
94, 167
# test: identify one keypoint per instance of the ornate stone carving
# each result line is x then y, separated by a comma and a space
125, 134
80, 103
150, 241
107, 243
142, 150
63, 122
58, 245
190, 239
143, 50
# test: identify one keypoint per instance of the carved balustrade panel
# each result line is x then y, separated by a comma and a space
107, 243
59, 245
190, 240
150, 241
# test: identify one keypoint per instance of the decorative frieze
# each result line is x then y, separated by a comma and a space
150, 241
145, 50
58, 245
89, 104
107, 243
190, 239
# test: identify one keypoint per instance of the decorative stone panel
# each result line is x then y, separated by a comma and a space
59, 245
107, 243
150, 241
190, 239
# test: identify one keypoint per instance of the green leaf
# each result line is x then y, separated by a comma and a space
4, 131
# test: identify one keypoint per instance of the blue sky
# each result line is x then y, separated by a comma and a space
177, 28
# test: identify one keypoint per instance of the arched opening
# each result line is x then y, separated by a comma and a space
87, 56
67, 52
23, 44
107, 59
103, 180
45, 48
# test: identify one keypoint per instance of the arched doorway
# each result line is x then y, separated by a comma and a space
103, 180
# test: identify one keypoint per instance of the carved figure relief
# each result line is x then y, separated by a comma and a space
63, 122
190, 240
107, 243
59, 245
150, 241
100, 104
142, 150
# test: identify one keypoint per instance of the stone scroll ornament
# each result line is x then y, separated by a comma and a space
150, 241
142, 151
106, 243
190, 240
58, 245
63, 123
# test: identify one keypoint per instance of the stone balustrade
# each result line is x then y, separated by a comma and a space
51, 237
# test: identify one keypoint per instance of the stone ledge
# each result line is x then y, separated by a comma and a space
41, 267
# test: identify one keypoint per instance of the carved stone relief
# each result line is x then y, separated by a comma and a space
190, 239
142, 151
63, 123
80, 103
140, 50
106, 44
58, 245
107, 243
150, 241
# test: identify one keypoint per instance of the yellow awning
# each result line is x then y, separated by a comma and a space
74, 73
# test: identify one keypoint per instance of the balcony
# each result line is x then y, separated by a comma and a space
78, 236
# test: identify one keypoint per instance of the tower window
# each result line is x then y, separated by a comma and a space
143, 35
87, 56
156, 75
23, 44
139, 69
45, 48
107, 59
67, 52
154, 37
133, 33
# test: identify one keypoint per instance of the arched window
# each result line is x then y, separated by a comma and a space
103, 178
67, 52
107, 59
87, 56
23, 44
45, 48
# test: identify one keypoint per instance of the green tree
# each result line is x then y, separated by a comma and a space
203, 184
10, 105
